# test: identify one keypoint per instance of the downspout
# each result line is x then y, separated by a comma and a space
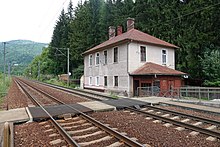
129, 86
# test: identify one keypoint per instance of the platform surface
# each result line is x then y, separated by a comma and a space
14, 115
152, 100
56, 111
97, 106
194, 106
125, 102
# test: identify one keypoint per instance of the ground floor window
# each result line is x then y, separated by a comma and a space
90, 80
97, 81
157, 83
116, 81
145, 84
105, 81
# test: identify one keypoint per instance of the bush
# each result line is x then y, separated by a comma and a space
212, 84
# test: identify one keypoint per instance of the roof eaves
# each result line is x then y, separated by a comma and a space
106, 46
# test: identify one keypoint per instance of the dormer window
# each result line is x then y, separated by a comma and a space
143, 53
97, 59
164, 57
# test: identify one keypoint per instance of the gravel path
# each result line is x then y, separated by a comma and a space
151, 133
15, 98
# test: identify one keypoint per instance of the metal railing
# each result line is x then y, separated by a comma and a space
148, 91
205, 93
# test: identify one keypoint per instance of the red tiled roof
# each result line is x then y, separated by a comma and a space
134, 35
150, 68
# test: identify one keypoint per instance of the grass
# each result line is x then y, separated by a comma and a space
113, 95
55, 81
4, 87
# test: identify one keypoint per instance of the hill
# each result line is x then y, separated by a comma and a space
19, 53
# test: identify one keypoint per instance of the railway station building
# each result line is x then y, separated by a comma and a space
130, 60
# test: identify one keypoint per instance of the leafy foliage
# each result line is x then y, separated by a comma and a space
19, 53
191, 25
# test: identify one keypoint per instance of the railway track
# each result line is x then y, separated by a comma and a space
182, 120
95, 130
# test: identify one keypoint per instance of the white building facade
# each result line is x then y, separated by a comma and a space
108, 67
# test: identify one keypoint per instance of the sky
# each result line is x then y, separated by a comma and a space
30, 19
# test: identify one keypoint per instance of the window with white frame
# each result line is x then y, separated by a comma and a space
116, 81
90, 60
143, 53
105, 81
97, 81
115, 54
90, 80
164, 57
105, 57
97, 59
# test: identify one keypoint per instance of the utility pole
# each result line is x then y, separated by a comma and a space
68, 62
4, 43
9, 70
68, 67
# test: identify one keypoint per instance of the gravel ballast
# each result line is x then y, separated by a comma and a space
15, 98
147, 132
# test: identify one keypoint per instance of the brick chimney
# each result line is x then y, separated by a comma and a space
130, 23
111, 32
119, 30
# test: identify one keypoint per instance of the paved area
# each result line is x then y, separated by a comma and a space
57, 111
97, 106
194, 106
152, 100
212, 103
14, 115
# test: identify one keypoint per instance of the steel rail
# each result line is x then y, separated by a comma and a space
107, 129
214, 122
76, 91
178, 123
66, 136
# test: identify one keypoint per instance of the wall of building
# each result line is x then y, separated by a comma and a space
154, 54
110, 70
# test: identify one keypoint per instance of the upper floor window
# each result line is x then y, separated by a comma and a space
115, 54
97, 81
164, 57
105, 81
105, 57
90, 60
116, 81
143, 53
97, 59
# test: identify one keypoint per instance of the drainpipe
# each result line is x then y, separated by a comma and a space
129, 86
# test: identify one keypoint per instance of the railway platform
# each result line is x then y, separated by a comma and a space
152, 100
14, 115
193, 106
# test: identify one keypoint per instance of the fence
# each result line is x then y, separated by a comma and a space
206, 93
148, 91
156, 91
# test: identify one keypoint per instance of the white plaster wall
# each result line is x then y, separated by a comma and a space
154, 54
110, 69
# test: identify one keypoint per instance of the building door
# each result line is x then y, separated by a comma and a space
136, 85
171, 85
